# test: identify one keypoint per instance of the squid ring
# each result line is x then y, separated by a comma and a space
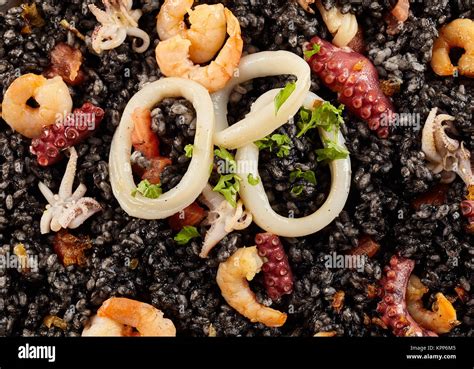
261, 123
197, 175
256, 200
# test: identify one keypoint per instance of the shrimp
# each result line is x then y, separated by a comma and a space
52, 96
173, 58
232, 277
118, 314
207, 32
458, 33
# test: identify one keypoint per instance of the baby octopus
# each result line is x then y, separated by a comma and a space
458, 33
233, 276
119, 316
449, 157
67, 209
51, 95
117, 21
356, 81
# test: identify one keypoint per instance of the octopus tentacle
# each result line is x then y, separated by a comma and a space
393, 306
355, 79
278, 277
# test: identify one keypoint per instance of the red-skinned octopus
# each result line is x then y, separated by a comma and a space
75, 128
277, 278
356, 81
393, 306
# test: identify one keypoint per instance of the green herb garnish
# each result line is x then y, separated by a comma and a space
283, 95
309, 53
228, 158
186, 234
297, 190
188, 150
326, 116
228, 186
253, 180
308, 176
280, 143
331, 151
146, 189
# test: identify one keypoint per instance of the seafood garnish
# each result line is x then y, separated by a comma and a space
222, 218
119, 316
233, 276
207, 31
117, 21
459, 33
445, 154
256, 126
173, 58
67, 209
393, 306
443, 316
195, 179
356, 81
51, 95
256, 200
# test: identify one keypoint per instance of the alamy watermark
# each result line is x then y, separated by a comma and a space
13, 261
405, 120
340, 261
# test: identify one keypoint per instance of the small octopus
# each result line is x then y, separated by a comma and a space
117, 21
67, 209
445, 154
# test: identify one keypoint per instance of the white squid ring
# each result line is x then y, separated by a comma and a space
197, 175
265, 121
256, 200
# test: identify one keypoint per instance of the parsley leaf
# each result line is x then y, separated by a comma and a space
283, 95
228, 158
297, 190
188, 150
308, 176
275, 141
252, 180
326, 116
332, 151
186, 234
228, 186
310, 53
146, 189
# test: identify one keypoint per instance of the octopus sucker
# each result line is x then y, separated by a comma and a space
356, 81
393, 306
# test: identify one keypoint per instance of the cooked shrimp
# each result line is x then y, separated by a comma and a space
52, 96
232, 277
103, 327
174, 60
458, 33
207, 32
118, 314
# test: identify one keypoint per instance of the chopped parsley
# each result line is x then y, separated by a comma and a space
228, 186
228, 158
253, 180
326, 116
186, 234
283, 95
308, 176
297, 190
146, 189
331, 151
308, 54
277, 142
188, 150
